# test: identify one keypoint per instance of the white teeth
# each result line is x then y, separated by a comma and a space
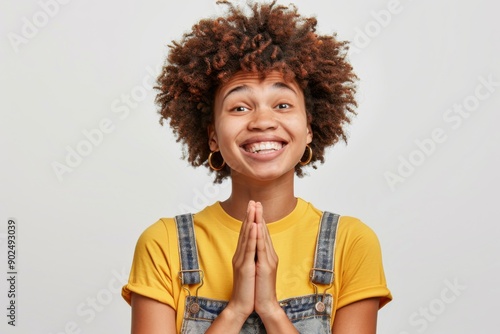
266, 146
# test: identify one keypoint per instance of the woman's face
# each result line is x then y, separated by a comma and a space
260, 125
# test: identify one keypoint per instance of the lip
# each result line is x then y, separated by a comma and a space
263, 156
259, 139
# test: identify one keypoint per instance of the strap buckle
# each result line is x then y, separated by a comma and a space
320, 305
194, 307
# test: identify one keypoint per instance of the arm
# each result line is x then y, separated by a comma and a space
362, 285
151, 317
357, 318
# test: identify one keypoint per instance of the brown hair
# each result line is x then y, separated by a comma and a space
270, 37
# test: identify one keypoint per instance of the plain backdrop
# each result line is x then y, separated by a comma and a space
86, 166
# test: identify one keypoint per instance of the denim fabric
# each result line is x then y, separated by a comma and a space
190, 273
300, 310
322, 273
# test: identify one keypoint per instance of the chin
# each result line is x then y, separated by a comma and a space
267, 175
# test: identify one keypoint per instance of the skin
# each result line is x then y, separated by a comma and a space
250, 110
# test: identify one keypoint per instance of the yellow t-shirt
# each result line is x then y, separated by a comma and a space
358, 267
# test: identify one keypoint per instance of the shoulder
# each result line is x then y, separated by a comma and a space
166, 229
348, 226
353, 236
158, 234
354, 228
155, 263
350, 230
352, 233
358, 257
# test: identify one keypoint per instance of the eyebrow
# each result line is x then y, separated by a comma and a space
242, 88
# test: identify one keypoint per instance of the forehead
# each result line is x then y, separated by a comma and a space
254, 79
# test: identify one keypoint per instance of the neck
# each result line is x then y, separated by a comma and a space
277, 197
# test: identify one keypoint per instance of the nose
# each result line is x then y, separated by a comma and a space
263, 119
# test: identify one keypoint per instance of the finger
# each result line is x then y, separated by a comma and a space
245, 226
266, 236
250, 208
261, 236
245, 248
251, 238
259, 219
242, 244
250, 214
251, 244
259, 211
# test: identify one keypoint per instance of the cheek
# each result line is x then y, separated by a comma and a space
298, 127
226, 135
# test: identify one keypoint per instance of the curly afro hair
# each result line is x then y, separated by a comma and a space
269, 37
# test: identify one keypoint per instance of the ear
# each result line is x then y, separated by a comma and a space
212, 138
309, 134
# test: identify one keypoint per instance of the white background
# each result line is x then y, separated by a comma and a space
68, 73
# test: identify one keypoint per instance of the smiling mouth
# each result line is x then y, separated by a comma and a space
264, 147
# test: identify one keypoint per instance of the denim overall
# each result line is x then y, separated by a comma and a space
309, 314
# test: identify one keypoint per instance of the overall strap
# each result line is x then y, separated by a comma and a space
324, 258
188, 252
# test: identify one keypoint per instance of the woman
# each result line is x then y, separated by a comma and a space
256, 97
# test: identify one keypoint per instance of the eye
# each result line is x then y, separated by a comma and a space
283, 106
240, 109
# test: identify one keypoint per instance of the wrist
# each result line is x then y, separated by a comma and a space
232, 313
276, 321
271, 312
228, 321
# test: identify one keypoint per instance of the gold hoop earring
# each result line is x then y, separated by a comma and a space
309, 158
210, 162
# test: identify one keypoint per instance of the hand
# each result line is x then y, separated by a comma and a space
255, 265
266, 301
243, 294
